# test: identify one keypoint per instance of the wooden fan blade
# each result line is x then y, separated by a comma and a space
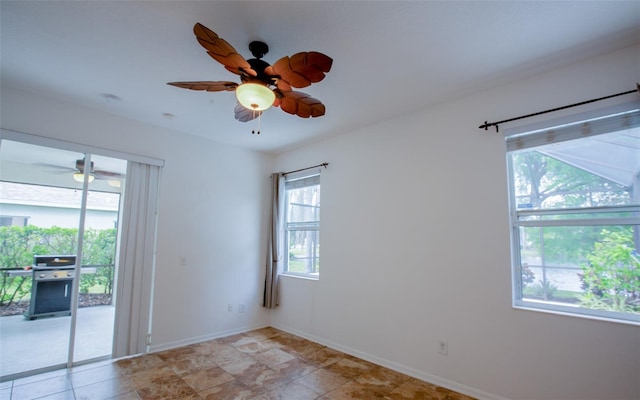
243, 114
279, 83
222, 51
303, 69
209, 86
301, 104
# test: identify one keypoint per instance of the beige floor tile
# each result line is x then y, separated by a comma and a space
322, 381
238, 340
207, 378
261, 378
227, 355
414, 389
295, 368
152, 377
46, 387
264, 333
104, 389
194, 364
86, 376
349, 367
132, 365
170, 388
233, 390
265, 364
274, 357
355, 390
381, 376
173, 355
322, 357
291, 391
66, 395
126, 396
239, 365
256, 347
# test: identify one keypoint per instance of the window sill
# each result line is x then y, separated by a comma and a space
298, 276
567, 313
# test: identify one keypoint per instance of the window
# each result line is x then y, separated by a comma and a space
10, 220
575, 217
302, 226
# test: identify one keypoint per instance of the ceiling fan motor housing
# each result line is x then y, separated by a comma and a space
259, 66
258, 49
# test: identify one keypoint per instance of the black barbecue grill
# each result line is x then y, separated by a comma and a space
51, 286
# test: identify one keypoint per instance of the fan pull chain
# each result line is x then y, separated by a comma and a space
259, 122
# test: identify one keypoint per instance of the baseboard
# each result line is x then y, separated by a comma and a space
446, 383
216, 335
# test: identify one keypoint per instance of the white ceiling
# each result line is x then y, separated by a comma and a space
390, 58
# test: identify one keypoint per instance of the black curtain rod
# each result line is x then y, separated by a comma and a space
486, 124
304, 169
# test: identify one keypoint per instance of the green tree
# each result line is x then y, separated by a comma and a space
545, 181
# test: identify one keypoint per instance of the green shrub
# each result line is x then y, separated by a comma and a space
611, 279
18, 244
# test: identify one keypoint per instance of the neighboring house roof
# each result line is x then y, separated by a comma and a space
35, 195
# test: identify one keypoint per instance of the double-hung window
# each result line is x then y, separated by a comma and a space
302, 226
575, 217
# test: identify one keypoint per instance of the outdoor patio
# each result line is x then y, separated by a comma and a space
29, 345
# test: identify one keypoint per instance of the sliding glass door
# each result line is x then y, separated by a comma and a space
59, 214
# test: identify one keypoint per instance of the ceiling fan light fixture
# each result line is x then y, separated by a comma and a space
254, 96
79, 177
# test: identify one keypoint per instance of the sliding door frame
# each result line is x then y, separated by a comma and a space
144, 287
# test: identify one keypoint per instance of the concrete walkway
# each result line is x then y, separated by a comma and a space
27, 345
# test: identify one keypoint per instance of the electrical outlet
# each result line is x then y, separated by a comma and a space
241, 308
229, 307
443, 347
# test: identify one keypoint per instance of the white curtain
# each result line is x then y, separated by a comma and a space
136, 260
276, 240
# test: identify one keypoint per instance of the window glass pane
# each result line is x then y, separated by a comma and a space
585, 266
304, 252
303, 226
304, 204
543, 182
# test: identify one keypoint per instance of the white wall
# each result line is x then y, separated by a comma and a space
415, 248
212, 214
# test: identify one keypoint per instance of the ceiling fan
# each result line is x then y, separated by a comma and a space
263, 85
78, 172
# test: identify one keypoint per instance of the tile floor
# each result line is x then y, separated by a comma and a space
265, 364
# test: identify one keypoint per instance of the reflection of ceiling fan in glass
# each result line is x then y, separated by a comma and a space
113, 178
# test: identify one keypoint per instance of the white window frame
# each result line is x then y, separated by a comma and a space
298, 181
568, 128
